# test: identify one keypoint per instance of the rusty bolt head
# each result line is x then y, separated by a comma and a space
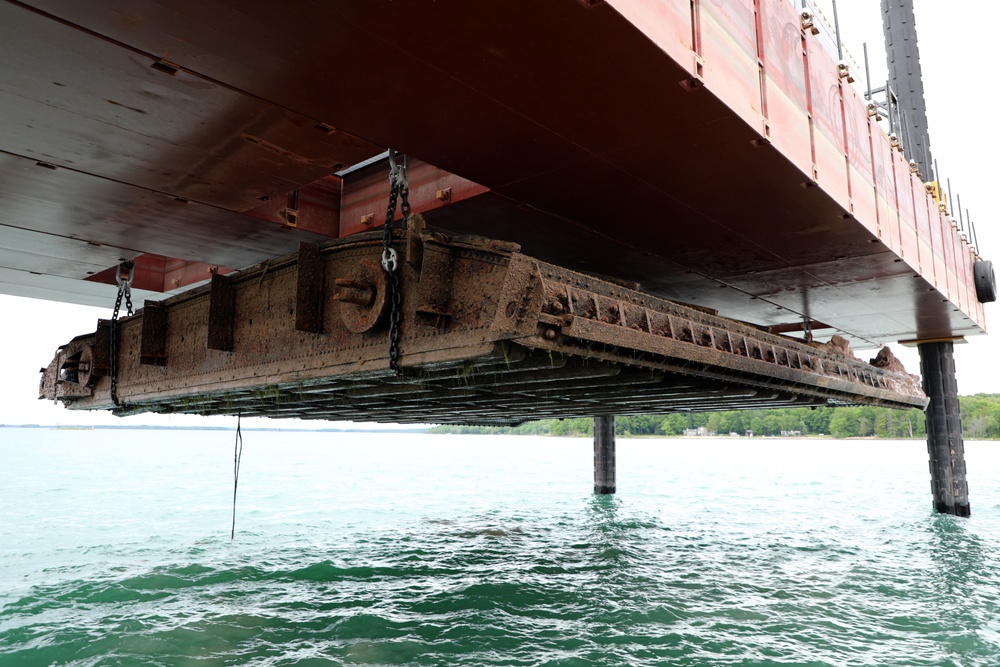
354, 291
443, 196
368, 219
550, 334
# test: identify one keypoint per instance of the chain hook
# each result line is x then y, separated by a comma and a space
389, 260
398, 176
129, 269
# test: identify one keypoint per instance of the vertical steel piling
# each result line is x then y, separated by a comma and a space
944, 429
604, 454
903, 59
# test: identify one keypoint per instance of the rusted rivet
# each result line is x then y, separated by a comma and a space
550, 334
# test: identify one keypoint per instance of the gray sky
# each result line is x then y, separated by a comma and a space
958, 45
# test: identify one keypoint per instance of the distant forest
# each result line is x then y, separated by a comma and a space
980, 419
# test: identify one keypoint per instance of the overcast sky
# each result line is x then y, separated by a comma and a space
958, 47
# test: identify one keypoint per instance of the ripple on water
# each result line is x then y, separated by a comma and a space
504, 573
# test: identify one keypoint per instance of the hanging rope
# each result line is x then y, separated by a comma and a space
237, 456
124, 290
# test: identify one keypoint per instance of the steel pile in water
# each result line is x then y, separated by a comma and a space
488, 336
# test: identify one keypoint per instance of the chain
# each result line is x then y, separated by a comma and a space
124, 291
398, 190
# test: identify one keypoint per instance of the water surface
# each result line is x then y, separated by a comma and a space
409, 549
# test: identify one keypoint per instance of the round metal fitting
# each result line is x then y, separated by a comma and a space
77, 367
361, 296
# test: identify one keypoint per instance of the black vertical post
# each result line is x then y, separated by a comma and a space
944, 429
899, 29
604, 454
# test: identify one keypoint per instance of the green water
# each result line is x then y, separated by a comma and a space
385, 549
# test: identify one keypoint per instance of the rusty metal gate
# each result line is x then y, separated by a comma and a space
488, 335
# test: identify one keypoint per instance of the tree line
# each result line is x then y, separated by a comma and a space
980, 419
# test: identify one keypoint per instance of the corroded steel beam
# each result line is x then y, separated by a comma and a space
488, 335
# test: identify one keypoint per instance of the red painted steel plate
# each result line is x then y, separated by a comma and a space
606, 157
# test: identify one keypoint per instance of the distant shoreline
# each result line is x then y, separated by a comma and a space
146, 427
647, 436
430, 431
980, 419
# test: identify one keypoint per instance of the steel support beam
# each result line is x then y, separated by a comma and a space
944, 429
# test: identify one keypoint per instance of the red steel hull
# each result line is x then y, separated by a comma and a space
707, 150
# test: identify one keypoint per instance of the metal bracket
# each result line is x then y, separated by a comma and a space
221, 314
153, 344
809, 23
309, 289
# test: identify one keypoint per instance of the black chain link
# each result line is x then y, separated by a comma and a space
124, 291
399, 190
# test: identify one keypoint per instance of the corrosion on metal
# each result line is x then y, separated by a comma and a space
153, 341
102, 349
488, 335
434, 288
361, 296
222, 313
309, 295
